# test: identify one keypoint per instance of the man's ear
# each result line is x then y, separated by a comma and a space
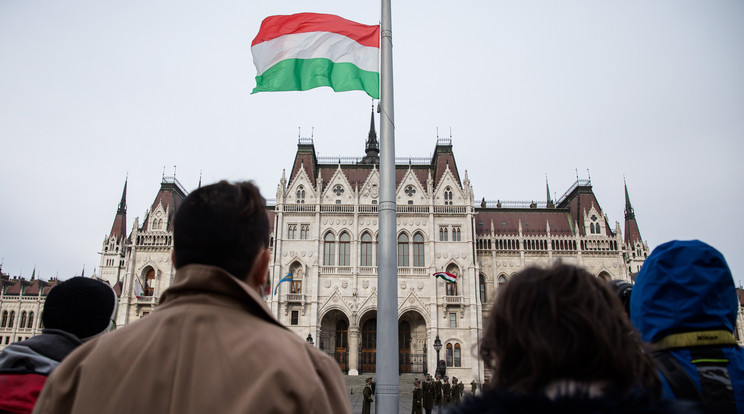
260, 273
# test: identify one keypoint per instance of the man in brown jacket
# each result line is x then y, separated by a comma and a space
212, 345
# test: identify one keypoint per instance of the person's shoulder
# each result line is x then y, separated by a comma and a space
503, 402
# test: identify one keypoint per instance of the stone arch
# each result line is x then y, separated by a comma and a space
333, 338
453, 289
412, 341
368, 341
148, 275
604, 275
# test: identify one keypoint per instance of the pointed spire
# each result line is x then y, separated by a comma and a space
632, 232
547, 189
82, 274
33, 274
373, 147
123, 203
200, 177
629, 214
119, 228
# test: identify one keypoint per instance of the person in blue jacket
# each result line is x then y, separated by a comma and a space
684, 303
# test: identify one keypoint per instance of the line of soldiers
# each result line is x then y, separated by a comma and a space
435, 393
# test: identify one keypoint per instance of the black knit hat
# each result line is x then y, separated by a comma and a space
81, 306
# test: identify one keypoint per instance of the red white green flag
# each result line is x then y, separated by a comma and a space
448, 277
308, 50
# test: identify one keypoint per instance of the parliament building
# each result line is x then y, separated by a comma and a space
324, 229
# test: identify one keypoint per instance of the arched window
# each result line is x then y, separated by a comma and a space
418, 250
329, 249
449, 355
452, 287
12, 319
458, 360
502, 281
300, 195
443, 233
296, 286
365, 258
23, 320
482, 288
403, 250
447, 196
149, 282
30, 320
456, 234
5, 320
591, 227
343, 249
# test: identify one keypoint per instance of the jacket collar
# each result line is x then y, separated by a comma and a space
196, 279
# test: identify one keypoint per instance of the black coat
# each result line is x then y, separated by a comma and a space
504, 402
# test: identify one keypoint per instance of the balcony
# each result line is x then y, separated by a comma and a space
454, 300
146, 300
413, 271
450, 209
296, 297
335, 270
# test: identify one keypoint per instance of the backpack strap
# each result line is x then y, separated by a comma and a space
680, 382
715, 382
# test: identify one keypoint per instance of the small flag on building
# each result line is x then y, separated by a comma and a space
448, 277
287, 278
308, 50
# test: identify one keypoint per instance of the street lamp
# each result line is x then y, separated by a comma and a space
437, 347
310, 340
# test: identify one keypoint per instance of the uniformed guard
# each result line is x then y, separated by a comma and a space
367, 401
473, 387
417, 397
456, 391
446, 391
438, 393
428, 390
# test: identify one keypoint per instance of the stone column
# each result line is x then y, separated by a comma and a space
353, 350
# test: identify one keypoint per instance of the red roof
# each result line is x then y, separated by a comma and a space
534, 221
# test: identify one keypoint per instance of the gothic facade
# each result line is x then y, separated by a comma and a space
324, 232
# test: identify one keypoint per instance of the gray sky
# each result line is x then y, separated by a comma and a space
653, 91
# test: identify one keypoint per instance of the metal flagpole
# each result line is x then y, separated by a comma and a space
387, 263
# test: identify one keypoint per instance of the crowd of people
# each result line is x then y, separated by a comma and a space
558, 339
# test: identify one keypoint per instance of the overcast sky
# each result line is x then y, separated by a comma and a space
652, 91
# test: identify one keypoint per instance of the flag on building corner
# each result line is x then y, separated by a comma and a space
287, 278
303, 51
448, 277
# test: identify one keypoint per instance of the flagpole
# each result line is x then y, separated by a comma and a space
387, 265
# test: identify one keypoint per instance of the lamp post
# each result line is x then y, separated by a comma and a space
311, 342
437, 347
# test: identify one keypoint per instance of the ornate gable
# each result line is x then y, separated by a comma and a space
410, 190
371, 188
338, 190
448, 192
301, 190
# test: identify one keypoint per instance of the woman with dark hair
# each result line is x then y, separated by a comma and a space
558, 340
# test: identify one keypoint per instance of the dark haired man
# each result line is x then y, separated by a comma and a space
212, 345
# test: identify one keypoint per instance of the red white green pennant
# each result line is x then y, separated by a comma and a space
448, 277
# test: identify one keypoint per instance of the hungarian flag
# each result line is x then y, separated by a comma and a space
448, 277
307, 50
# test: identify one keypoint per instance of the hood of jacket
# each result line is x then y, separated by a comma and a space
683, 286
